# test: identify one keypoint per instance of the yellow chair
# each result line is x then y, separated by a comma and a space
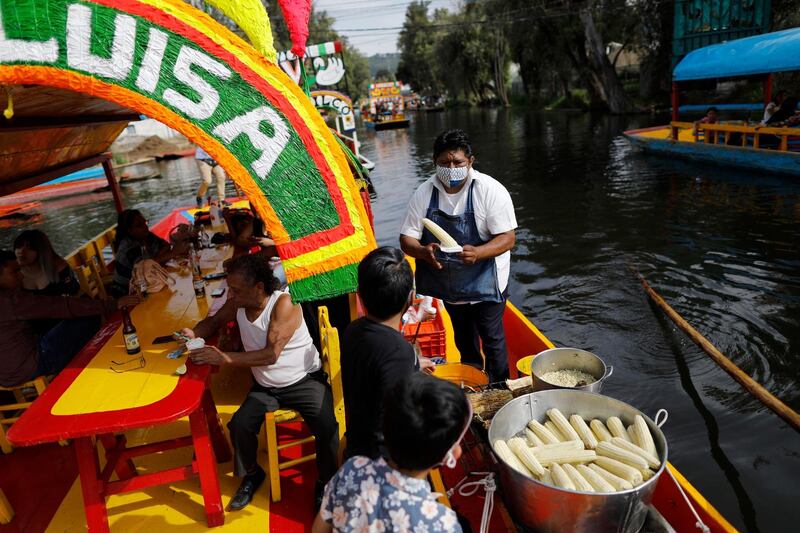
6, 512
90, 280
329, 340
23, 396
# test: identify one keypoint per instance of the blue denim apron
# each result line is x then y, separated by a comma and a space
457, 282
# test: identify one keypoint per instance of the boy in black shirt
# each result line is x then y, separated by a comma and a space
375, 355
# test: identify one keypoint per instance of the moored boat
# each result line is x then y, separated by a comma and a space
739, 145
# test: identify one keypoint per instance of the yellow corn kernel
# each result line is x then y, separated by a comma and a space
652, 460
615, 481
577, 479
609, 449
560, 478
628, 473
562, 424
595, 480
579, 425
542, 432
643, 437
616, 428
526, 457
600, 431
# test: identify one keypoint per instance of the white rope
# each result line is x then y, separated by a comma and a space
699, 524
469, 489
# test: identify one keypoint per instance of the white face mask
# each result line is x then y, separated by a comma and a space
451, 177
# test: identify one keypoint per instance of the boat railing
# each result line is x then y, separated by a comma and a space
91, 262
788, 139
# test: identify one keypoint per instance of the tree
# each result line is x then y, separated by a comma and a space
416, 43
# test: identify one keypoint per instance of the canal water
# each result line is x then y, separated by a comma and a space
720, 246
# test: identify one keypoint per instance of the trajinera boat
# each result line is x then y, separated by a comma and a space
734, 144
386, 108
124, 450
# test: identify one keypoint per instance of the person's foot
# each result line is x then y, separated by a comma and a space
199, 202
249, 486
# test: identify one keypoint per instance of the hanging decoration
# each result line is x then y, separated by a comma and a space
252, 18
174, 63
297, 13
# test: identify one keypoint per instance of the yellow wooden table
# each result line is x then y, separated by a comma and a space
104, 392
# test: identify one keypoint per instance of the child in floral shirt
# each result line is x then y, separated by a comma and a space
424, 421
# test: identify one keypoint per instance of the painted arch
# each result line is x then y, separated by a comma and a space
173, 63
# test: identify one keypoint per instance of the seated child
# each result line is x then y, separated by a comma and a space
424, 420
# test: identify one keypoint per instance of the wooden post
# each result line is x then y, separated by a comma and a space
767, 85
112, 183
675, 103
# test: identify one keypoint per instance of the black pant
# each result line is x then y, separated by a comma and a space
311, 397
484, 320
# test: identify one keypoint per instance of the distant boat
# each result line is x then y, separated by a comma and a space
774, 150
82, 181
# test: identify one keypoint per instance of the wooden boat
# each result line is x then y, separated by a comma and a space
59, 507
40, 481
388, 123
382, 97
773, 150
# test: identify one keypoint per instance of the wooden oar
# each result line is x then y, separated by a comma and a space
751, 385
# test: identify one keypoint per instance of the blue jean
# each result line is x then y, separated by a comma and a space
58, 346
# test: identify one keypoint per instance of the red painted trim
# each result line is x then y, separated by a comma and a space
767, 84
168, 21
39, 425
337, 46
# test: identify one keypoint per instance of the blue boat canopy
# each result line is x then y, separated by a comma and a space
761, 54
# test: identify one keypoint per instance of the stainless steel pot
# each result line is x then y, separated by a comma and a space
569, 358
544, 508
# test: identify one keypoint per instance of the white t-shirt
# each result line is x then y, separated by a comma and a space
494, 212
298, 358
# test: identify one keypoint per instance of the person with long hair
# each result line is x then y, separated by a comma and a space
135, 241
43, 270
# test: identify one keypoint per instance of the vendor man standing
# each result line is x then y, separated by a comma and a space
476, 210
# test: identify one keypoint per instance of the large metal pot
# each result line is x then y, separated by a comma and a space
544, 508
569, 358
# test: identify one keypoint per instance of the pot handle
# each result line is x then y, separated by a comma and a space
658, 420
609, 371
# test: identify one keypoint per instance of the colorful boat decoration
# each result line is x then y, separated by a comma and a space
737, 145
386, 109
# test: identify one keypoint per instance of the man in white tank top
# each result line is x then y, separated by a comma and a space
286, 369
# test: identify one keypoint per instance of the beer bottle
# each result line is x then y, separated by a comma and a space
197, 277
129, 333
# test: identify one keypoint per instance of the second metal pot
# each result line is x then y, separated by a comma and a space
572, 359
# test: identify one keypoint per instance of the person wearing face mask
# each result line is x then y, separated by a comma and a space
477, 211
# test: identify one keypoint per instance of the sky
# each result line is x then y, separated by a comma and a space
359, 21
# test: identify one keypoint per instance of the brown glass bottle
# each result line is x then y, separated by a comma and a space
129, 333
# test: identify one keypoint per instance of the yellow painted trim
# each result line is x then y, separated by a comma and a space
701, 501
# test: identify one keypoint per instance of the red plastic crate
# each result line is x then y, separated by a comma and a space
431, 336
